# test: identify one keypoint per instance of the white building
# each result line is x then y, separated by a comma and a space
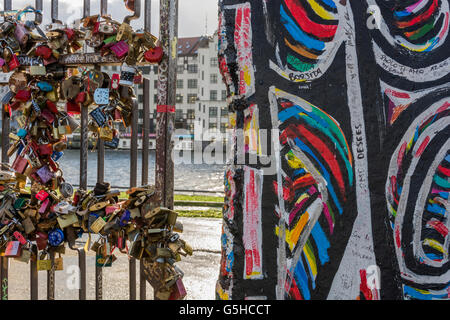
200, 93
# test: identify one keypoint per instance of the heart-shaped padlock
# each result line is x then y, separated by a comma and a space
154, 55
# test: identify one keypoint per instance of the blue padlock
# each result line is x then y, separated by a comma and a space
22, 133
55, 237
45, 86
56, 155
124, 218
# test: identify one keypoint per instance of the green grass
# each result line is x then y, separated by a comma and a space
210, 213
183, 197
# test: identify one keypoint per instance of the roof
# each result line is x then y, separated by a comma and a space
189, 46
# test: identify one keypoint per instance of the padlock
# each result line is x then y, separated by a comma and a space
25, 255
43, 51
42, 263
124, 32
98, 225
61, 126
120, 49
70, 88
73, 107
13, 249
127, 74
101, 96
154, 55
67, 220
55, 237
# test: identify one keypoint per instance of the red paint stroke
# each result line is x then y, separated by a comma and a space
420, 18
292, 288
444, 170
401, 154
394, 190
318, 30
325, 152
398, 242
397, 94
326, 211
363, 285
248, 262
289, 186
286, 104
252, 254
444, 107
422, 146
438, 226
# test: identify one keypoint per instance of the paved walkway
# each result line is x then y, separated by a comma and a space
201, 270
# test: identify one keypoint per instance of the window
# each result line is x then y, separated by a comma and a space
192, 68
214, 62
213, 112
178, 114
155, 69
140, 114
224, 95
155, 98
213, 95
192, 98
203, 92
155, 84
114, 68
203, 123
203, 59
145, 70
140, 98
203, 75
180, 84
180, 68
199, 107
213, 125
192, 84
179, 98
224, 112
191, 114
213, 78
223, 127
203, 108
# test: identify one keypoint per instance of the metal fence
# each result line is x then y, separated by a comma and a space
164, 167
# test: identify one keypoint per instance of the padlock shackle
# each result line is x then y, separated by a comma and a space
137, 12
38, 14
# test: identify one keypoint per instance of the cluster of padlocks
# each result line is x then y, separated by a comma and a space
44, 96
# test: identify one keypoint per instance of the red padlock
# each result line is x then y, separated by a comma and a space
70, 34
41, 240
51, 106
154, 55
45, 149
20, 237
115, 78
41, 195
23, 95
44, 52
15, 105
73, 107
81, 97
14, 63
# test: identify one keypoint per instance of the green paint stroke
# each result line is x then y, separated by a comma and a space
299, 65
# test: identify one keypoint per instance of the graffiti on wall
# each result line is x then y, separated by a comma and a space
357, 120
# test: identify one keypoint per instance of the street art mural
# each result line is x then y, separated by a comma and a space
338, 185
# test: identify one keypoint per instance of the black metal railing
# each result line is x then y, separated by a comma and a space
164, 165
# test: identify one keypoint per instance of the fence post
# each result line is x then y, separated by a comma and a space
5, 159
167, 77
145, 139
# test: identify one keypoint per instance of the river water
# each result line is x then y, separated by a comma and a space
117, 171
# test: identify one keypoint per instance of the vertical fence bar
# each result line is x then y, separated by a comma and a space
84, 144
51, 279
133, 157
5, 145
133, 183
34, 276
100, 179
145, 140
166, 102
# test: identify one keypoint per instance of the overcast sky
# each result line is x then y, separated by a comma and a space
196, 17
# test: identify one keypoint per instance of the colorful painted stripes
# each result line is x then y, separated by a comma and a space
307, 26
